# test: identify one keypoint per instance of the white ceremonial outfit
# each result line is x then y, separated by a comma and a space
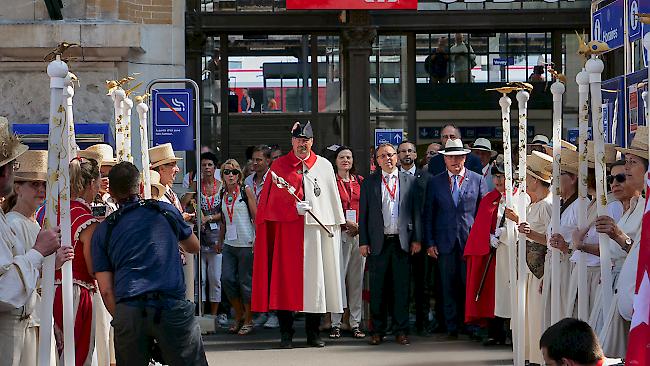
322, 291
19, 274
568, 224
616, 326
614, 210
539, 218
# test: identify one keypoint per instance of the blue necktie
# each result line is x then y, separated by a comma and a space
455, 191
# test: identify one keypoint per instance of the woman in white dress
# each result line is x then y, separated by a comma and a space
21, 206
538, 182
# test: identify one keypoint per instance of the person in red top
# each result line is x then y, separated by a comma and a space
84, 186
352, 263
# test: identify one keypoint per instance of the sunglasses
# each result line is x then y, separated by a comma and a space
620, 178
231, 171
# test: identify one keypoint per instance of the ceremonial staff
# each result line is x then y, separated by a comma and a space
582, 79
143, 110
127, 107
595, 67
117, 94
282, 183
519, 307
557, 89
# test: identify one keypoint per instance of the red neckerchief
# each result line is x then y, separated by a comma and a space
392, 192
230, 208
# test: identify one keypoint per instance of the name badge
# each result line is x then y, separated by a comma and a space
351, 215
214, 226
231, 231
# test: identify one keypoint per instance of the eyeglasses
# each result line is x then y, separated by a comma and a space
16, 165
230, 171
432, 153
620, 178
386, 156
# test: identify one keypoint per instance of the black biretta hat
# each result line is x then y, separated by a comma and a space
302, 131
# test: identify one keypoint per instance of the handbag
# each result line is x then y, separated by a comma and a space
535, 256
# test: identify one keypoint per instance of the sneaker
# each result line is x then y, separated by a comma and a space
261, 319
222, 319
272, 322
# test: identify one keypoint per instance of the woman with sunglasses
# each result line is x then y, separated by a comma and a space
21, 205
211, 259
237, 235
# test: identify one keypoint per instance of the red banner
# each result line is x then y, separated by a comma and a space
352, 4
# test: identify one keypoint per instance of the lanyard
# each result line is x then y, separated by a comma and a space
261, 186
230, 208
348, 192
391, 192
460, 182
209, 202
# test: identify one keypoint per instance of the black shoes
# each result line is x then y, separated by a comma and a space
286, 341
315, 342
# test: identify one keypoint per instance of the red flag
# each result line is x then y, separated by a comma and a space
638, 347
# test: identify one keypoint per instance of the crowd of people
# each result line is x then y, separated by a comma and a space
305, 234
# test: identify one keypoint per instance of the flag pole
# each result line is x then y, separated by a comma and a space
520, 311
557, 89
65, 157
57, 70
595, 67
582, 79
143, 111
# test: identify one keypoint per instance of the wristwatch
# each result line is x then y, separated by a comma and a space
628, 244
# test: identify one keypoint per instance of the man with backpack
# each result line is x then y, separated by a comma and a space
138, 267
436, 63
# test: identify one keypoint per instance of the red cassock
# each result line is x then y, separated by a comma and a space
278, 263
477, 252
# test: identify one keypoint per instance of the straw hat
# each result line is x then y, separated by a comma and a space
540, 166
33, 166
639, 145
484, 144
454, 147
540, 140
610, 154
104, 150
565, 145
10, 146
161, 155
160, 189
569, 160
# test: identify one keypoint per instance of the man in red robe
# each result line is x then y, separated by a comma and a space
296, 263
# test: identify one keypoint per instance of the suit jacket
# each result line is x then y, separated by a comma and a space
421, 182
437, 164
445, 223
371, 219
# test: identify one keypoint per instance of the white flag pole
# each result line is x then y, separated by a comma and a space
519, 312
57, 70
595, 67
557, 89
582, 79
143, 111
66, 224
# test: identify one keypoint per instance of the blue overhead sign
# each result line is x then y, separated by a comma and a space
634, 25
393, 136
608, 24
173, 118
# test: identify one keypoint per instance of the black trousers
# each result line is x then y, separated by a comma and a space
389, 269
421, 267
312, 322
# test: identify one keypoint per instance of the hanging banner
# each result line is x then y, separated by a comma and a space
608, 24
352, 4
613, 94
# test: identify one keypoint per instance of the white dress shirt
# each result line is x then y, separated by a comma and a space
451, 177
390, 206
410, 171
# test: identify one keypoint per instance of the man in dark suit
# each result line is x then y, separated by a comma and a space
437, 163
389, 229
452, 201
421, 264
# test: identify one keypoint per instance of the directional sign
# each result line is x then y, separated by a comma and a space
393, 136
173, 118
634, 26
608, 24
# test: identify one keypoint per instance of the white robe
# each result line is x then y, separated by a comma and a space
322, 287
